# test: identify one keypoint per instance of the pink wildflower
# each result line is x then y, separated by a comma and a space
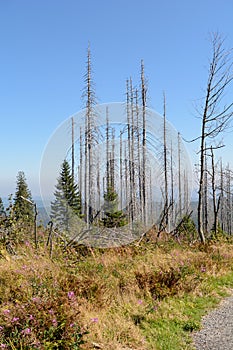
71, 295
15, 319
140, 301
36, 299
3, 346
6, 312
54, 322
94, 319
26, 331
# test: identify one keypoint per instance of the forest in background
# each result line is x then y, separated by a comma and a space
120, 179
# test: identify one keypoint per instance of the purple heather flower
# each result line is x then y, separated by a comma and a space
36, 299
6, 312
71, 295
15, 319
140, 301
26, 331
3, 346
94, 319
54, 322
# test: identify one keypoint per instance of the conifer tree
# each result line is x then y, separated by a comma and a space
23, 210
67, 203
113, 216
2, 210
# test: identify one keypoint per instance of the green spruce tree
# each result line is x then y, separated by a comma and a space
23, 209
113, 216
2, 210
67, 203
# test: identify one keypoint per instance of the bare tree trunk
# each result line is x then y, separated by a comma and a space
129, 126
107, 152
172, 188
132, 150
186, 193
215, 114
229, 204
205, 197
215, 208
151, 200
121, 172
139, 158
126, 183
112, 162
90, 140
72, 149
179, 179
86, 176
222, 196
165, 161
98, 183
201, 184
143, 92
81, 168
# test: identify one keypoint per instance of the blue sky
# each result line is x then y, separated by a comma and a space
42, 64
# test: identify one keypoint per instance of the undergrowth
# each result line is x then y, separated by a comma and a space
150, 296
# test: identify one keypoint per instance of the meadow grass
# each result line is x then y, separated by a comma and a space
150, 296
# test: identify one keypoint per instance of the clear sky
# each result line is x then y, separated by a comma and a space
42, 64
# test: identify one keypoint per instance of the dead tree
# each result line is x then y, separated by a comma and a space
205, 213
216, 202
144, 185
132, 151
121, 172
229, 201
129, 141
72, 147
215, 115
81, 167
112, 160
107, 152
138, 143
222, 196
165, 160
179, 178
172, 186
90, 140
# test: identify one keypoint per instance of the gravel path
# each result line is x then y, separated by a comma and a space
217, 331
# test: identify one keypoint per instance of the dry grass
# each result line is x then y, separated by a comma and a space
116, 295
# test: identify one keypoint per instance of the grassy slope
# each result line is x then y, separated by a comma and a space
147, 297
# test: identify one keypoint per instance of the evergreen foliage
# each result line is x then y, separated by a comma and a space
114, 217
23, 209
67, 203
2, 210
187, 228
